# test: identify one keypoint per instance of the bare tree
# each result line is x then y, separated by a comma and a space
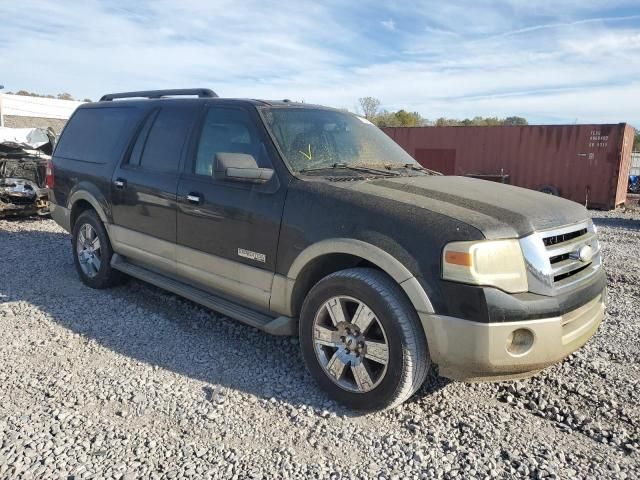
369, 106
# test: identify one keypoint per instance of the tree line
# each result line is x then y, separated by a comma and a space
59, 96
370, 108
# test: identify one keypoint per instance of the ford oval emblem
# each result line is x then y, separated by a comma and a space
585, 254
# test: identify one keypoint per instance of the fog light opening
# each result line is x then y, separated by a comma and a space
520, 342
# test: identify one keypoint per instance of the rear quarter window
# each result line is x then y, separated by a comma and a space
98, 135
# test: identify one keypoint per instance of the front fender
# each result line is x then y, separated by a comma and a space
358, 248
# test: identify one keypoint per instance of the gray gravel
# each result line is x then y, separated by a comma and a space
135, 382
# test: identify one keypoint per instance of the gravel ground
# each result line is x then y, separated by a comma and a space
134, 382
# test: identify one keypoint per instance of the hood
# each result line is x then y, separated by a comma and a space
27, 138
497, 210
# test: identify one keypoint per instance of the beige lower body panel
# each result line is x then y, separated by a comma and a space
61, 216
473, 351
210, 272
281, 294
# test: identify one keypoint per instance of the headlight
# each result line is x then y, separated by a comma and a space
496, 263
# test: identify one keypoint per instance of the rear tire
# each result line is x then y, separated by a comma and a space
92, 252
374, 367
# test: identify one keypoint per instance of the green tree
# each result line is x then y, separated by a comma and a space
401, 118
370, 108
386, 119
636, 142
479, 121
515, 121
409, 119
451, 122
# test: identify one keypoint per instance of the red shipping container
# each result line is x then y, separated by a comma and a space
588, 164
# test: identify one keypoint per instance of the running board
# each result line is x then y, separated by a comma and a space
275, 326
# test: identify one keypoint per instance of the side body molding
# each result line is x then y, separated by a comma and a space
283, 286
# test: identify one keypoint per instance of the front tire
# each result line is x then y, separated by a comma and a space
362, 341
92, 252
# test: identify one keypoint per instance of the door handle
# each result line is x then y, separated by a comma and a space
194, 198
120, 183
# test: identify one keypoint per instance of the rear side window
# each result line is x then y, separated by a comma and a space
97, 135
159, 145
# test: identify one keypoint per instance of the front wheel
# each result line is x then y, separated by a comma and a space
92, 252
362, 341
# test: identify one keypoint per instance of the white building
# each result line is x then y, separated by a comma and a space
18, 111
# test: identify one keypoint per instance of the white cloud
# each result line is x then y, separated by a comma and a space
455, 59
389, 24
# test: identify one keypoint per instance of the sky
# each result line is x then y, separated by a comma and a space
575, 61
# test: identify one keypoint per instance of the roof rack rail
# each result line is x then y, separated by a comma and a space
200, 92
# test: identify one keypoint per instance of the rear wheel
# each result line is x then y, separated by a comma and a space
92, 252
362, 340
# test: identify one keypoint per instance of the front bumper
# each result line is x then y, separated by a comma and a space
22, 205
472, 351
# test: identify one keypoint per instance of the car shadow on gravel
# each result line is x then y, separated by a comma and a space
160, 329
628, 223
19, 217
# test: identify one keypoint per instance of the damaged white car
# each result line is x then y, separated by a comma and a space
24, 153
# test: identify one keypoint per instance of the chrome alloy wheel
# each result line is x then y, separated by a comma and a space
88, 249
351, 344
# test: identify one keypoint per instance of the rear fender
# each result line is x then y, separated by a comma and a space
91, 194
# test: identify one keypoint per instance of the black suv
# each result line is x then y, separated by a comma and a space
300, 219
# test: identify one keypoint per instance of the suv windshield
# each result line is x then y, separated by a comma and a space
314, 138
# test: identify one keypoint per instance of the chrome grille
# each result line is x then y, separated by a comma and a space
558, 259
564, 253
561, 238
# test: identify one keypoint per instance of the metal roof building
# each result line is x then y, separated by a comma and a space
19, 111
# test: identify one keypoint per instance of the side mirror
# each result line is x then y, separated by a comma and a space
240, 167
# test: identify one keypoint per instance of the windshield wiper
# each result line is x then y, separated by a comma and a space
419, 168
344, 166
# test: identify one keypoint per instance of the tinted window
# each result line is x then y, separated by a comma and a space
97, 135
231, 131
138, 147
165, 139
